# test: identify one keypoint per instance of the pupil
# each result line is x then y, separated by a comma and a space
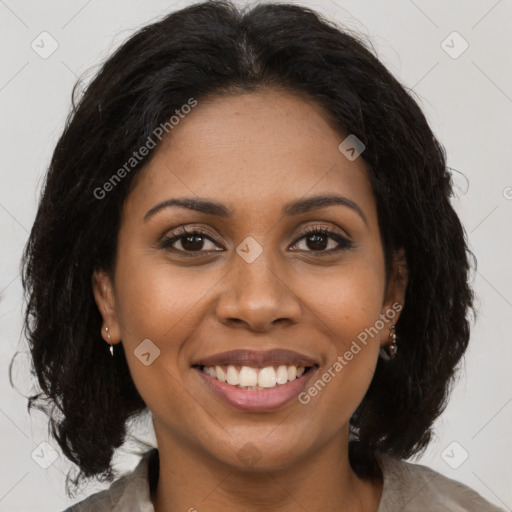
315, 241
189, 246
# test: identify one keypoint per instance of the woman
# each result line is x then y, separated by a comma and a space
246, 230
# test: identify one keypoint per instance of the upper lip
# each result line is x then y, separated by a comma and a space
274, 357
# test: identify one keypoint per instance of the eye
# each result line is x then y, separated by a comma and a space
189, 240
316, 240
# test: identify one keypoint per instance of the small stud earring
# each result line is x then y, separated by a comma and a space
392, 348
111, 345
389, 352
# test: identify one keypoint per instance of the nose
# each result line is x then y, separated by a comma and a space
257, 296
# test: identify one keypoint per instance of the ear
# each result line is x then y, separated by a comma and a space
394, 299
102, 287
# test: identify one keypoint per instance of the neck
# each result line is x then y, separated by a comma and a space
191, 480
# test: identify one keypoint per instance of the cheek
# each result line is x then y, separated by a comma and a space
346, 308
157, 300
345, 302
163, 304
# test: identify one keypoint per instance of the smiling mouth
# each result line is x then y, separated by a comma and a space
251, 378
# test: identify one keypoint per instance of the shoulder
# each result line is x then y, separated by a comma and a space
416, 488
129, 493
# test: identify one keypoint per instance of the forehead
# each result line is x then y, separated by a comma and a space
253, 151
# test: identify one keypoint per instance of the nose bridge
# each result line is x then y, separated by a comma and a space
255, 294
255, 280
257, 274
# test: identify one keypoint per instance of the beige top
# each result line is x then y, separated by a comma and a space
407, 487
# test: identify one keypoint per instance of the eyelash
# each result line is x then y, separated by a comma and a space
183, 232
343, 242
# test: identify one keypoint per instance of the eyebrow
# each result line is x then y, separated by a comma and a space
209, 207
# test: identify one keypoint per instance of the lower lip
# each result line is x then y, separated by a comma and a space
258, 400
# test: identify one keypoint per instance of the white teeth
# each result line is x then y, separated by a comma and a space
248, 376
220, 374
254, 378
267, 377
292, 372
232, 377
282, 375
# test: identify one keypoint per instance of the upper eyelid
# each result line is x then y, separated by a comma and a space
182, 231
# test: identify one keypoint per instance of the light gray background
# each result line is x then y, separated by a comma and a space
468, 101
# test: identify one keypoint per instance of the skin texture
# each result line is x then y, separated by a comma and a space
253, 152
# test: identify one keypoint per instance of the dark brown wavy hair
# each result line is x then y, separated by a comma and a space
216, 49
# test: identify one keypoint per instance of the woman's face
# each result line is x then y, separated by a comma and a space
256, 279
